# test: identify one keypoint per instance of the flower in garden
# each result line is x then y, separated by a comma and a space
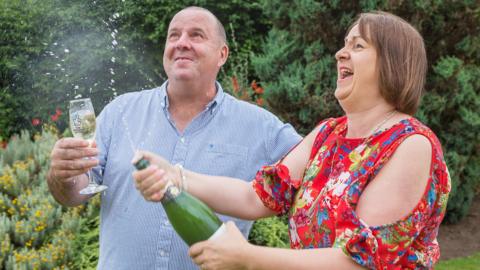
259, 101
236, 88
54, 117
256, 88
57, 114
36, 121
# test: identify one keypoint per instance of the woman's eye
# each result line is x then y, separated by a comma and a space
358, 46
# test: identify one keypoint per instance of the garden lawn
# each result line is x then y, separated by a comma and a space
466, 263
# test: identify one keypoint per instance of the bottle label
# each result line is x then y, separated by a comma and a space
218, 232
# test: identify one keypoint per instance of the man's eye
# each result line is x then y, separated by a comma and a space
197, 35
358, 46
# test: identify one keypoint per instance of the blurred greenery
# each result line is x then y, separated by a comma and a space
468, 263
35, 231
52, 51
297, 68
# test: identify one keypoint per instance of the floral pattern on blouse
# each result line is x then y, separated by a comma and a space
321, 206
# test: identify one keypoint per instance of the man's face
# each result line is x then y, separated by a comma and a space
193, 49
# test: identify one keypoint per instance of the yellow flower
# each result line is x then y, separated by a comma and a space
6, 180
22, 165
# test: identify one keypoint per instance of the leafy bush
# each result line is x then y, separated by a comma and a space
55, 50
297, 67
270, 232
35, 232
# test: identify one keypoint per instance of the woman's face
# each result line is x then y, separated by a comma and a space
358, 75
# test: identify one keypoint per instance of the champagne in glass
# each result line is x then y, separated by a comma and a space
82, 124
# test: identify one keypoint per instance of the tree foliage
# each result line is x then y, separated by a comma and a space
297, 67
53, 50
35, 231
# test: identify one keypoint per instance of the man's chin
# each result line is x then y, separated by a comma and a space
182, 76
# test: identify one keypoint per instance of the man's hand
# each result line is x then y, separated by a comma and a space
69, 159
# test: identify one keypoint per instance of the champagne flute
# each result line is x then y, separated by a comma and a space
82, 124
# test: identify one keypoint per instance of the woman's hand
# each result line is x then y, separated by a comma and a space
152, 180
225, 252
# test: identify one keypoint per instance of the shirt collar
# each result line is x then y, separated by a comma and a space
210, 106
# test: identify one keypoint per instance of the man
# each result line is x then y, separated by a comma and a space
188, 120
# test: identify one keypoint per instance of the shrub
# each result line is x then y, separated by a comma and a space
270, 232
297, 67
54, 50
35, 232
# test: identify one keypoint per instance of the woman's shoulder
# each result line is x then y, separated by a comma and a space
328, 125
410, 129
411, 141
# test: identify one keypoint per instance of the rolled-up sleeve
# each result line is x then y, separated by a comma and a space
390, 246
275, 188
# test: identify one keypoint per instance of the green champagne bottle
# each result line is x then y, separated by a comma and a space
193, 220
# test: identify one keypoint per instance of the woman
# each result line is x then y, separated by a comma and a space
368, 189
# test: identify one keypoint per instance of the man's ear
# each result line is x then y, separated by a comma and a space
223, 55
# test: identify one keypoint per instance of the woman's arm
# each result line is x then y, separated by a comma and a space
232, 251
225, 195
265, 258
399, 185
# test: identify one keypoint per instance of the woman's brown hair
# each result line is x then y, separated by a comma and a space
402, 59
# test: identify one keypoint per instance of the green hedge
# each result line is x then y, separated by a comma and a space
297, 67
54, 50
35, 231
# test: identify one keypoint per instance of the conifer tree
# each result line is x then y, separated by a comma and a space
297, 69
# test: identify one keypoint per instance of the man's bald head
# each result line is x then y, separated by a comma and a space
219, 26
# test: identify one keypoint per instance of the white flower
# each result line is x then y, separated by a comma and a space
339, 188
360, 148
308, 197
295, 238
344, 176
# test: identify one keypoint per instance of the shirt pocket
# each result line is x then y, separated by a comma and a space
225, 160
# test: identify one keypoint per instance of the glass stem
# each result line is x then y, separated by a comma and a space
90, 179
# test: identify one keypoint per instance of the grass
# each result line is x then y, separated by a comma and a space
466, 263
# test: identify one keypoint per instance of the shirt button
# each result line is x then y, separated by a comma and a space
166, 223
182, 140
162, 253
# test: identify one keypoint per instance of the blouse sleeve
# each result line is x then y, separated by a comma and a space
275, 188
409, 243
380, 247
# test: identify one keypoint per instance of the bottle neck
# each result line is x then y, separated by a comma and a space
171, 192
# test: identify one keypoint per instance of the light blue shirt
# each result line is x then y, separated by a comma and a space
230, 138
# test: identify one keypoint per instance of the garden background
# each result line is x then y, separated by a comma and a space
282, 58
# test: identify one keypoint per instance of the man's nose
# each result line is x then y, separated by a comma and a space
183, 42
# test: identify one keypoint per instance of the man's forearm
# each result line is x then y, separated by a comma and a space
66, 192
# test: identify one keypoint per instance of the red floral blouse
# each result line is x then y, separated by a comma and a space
321, 207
